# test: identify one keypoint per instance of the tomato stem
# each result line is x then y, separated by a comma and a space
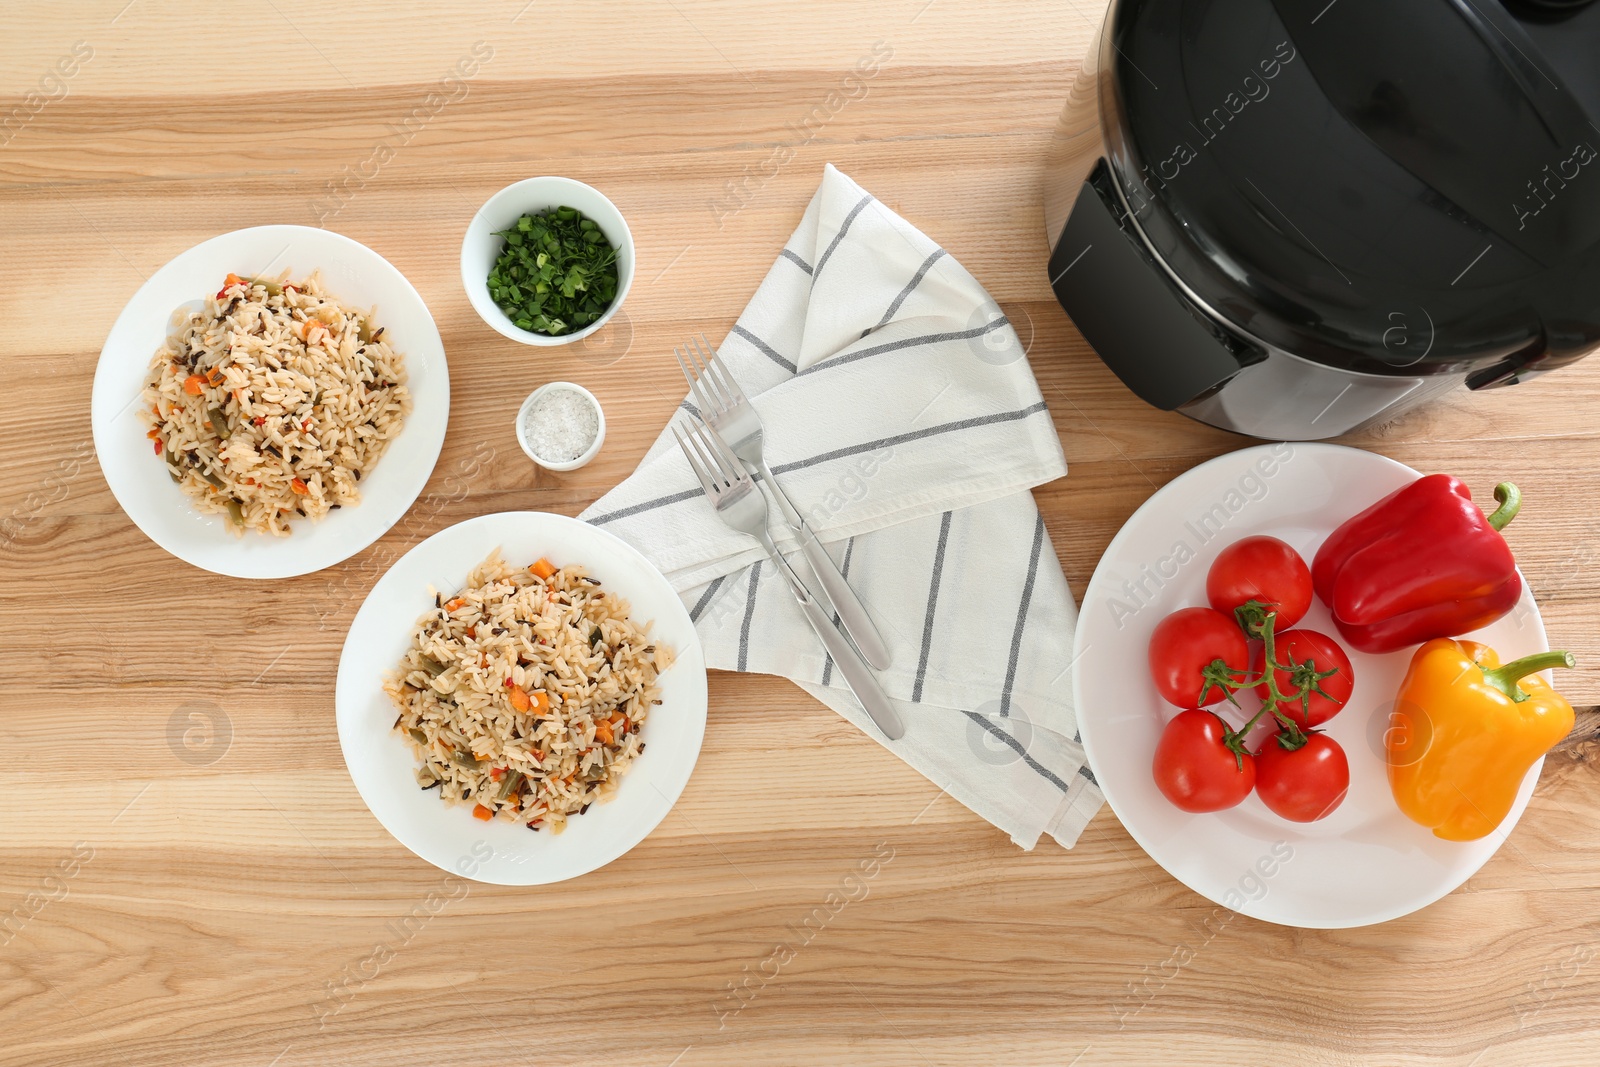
1218, 675
1290, 736
1259, 621
1252, 613
1306, 679
1233, 740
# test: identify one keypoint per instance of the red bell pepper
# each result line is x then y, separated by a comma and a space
1421, 563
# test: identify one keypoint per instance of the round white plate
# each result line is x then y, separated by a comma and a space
508, 853
357, 276
1365, 863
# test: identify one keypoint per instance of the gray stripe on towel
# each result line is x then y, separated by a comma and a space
1022, 617
1020, 749
910, 342
844, 227
749, 615
646, 505
933, 604
916, 280
838, 453
909, 436
764, 348
705, 598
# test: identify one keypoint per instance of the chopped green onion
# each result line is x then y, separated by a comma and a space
556, 273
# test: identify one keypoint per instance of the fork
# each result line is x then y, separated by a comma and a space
729, 412
742, 507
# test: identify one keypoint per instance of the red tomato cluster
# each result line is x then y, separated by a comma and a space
1259, 588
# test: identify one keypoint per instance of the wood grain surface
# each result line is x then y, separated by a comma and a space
224, 898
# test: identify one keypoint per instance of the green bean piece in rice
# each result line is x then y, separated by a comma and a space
528, 716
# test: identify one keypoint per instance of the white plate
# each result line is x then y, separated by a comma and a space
381, 763
357, 276
1365, 863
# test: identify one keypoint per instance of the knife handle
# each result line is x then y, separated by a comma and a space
835, 588
852, 613
852, 667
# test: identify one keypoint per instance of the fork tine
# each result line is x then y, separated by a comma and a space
708, 380
703, 356
723, 461
732, 468
694, 383
707, 482
718, 371
701, 436
688, 376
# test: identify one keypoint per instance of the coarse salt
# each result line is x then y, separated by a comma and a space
560, 425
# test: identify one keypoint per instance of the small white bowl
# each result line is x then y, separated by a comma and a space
481, 247
588, 453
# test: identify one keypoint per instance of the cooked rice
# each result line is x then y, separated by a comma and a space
310, 395
564, 637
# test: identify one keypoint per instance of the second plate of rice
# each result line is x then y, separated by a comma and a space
580, 679
521, 699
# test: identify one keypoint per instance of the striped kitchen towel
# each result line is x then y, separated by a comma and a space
902, 416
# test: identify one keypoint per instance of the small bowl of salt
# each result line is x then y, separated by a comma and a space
561, 426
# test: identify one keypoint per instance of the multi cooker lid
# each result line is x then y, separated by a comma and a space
1390, 187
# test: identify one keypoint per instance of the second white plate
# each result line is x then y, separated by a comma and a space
381, 762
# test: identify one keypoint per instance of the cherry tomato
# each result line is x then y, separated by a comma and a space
1265, 569
1296, 647
1305, 784
1183, 647
1194, 767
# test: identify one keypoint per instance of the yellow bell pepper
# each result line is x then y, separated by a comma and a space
1466, 731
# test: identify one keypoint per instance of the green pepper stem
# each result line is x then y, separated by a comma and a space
1510, 499
1505, 676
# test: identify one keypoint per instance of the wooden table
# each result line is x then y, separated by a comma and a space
225, 898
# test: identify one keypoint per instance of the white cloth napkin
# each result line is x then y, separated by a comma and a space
902, 419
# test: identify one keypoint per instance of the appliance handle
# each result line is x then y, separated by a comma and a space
1131, 312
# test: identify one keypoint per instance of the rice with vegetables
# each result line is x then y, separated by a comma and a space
523, 694
273, 402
